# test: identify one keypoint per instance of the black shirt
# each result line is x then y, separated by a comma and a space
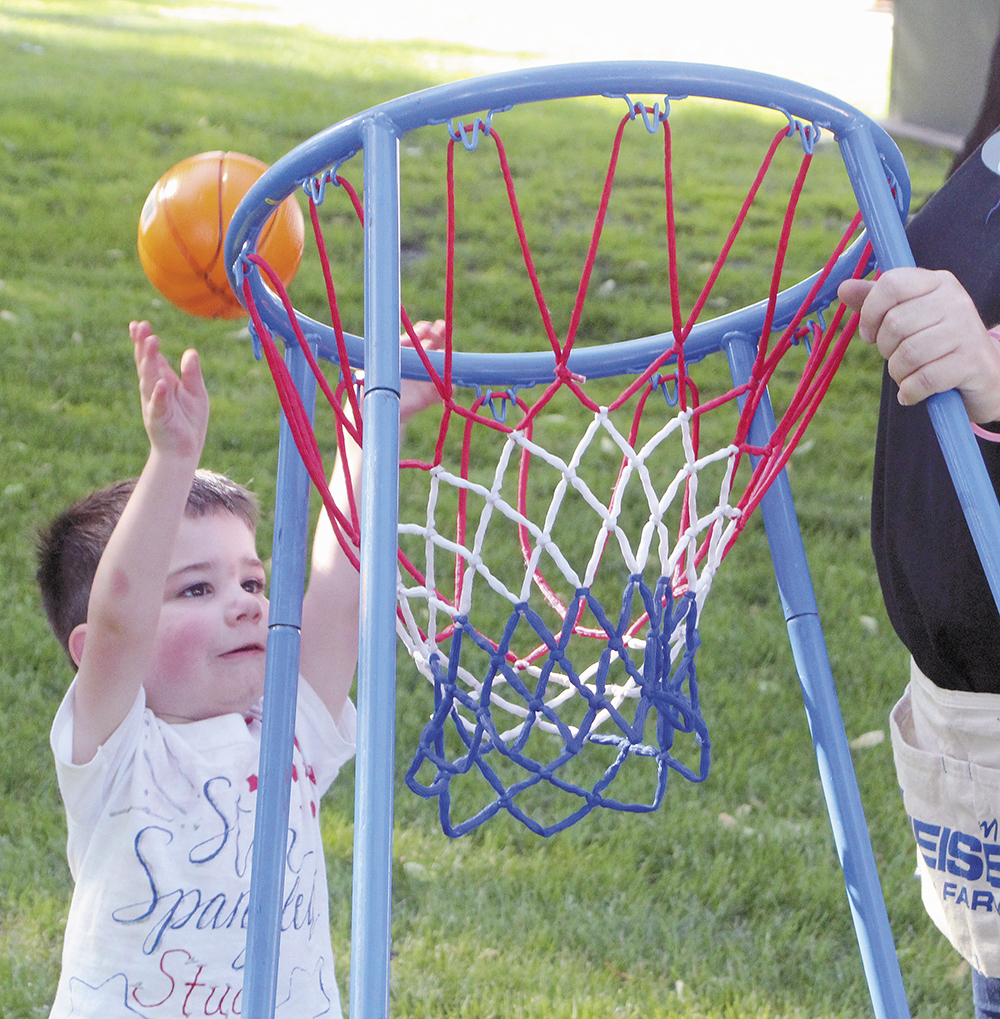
934, 587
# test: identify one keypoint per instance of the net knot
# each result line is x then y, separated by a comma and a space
564, 374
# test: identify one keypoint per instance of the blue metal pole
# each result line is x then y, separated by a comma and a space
372, 908
833, 755
291, 524
947, 412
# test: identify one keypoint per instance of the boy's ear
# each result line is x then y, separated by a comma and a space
76, 642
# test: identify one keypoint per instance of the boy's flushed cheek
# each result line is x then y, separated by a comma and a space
180, 644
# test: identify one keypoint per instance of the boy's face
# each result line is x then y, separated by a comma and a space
212, 635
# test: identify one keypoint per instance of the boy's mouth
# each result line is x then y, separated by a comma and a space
244, 649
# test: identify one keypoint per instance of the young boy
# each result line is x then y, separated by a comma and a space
156, 591
946, 727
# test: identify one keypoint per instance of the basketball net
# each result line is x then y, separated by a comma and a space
551, 582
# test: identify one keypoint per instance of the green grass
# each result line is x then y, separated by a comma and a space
726, 903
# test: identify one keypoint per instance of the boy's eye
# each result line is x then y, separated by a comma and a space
254, 585
198, 590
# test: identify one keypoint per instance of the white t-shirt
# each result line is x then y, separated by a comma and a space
946, 745
161, 826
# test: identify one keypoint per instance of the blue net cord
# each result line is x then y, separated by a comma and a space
665, 705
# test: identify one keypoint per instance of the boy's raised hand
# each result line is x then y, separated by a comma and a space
175, 407
417, 396
114, 647
928, 330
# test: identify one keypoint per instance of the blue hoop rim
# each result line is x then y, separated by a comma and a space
611, 79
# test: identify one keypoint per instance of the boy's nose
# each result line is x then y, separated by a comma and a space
247, 606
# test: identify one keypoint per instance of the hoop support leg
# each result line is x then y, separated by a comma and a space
833, 755
372, 905
291, 525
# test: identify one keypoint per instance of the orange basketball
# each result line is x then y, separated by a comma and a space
183, 225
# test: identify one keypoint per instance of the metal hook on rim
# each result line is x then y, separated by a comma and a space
505, 395
651, 118
315, 187
809, 134
660, 382
469, 136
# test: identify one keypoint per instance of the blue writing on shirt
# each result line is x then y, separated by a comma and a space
197, 908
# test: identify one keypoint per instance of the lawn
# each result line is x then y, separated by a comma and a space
728, 901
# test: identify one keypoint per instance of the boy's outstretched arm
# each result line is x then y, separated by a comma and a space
331, 610
114, 646
928, 330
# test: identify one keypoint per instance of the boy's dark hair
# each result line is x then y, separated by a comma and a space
70, 548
